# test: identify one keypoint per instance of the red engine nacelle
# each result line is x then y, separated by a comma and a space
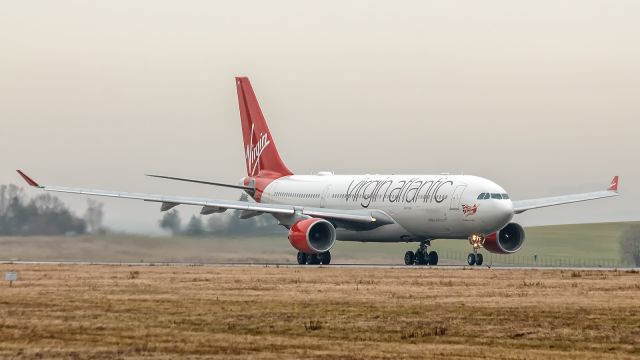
312, 236
506, 241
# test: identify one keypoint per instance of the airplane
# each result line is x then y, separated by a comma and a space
320, 209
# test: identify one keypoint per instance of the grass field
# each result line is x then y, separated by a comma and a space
587, 242
193, 312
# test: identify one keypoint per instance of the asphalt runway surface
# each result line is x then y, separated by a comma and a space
296, 266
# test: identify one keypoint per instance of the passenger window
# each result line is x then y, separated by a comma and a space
496, 196
505, 196
481, 196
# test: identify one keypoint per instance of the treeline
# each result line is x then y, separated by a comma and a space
228, 223
44, 214
630, 245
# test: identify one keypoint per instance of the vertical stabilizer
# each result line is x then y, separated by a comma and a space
261, 155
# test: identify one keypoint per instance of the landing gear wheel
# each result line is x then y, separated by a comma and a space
313, 259
479, 259
302, 258
432, 258
325, 258
471, 259
420, 258
409, 258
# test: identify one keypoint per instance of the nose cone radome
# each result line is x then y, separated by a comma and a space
500, 211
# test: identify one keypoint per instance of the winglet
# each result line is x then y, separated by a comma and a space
28, 179
614, 184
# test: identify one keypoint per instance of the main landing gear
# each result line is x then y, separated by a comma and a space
314, 259
422, 256
476, 242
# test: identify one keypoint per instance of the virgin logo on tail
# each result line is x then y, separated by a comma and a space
254, 151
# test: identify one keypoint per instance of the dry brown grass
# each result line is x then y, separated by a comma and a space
170, 312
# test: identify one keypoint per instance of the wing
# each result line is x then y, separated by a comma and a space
364, 217
521, 206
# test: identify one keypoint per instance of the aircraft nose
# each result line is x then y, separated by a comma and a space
504, 211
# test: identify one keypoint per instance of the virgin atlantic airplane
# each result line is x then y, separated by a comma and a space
322, 208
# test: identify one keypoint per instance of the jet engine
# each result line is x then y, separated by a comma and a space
312, 236
506, 241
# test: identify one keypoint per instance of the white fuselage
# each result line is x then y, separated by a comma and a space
423, 206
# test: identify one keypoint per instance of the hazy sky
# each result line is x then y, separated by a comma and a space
542, 97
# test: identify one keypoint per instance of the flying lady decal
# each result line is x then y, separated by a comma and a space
469, 210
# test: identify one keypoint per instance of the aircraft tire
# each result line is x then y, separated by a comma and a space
409, 258
433, 258
302, 258
479, 259
325, 258
313, 259
471, 259
420, 258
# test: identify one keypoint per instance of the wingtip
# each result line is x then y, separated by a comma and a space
29, 180
614, 184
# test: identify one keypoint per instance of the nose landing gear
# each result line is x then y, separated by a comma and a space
422, 256
476, 241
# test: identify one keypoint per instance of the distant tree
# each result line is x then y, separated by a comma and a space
630, 245
94, 215
43, 215
12, 201
194, 227
3, 199
216, 223
47, 215
171, 221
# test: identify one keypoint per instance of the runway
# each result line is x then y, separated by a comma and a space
296, 266
275, 309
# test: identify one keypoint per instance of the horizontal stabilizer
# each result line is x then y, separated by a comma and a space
248, 189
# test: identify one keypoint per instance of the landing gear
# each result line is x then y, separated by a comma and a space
422, 256
471, 259
476, 242
302, 258
474, 259
325, 258
409, 258
421, 259
314, 259
433, 258
479, 259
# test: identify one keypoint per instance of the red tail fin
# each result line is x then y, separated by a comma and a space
261, 154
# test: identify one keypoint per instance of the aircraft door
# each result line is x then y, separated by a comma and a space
456, 197
325, 195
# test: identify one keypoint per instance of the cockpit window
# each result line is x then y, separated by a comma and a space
505, 196
481, 196
496, 196
486, 196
